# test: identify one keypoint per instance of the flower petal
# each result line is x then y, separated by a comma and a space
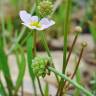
39, 28
25, 17
34, 19
45, 22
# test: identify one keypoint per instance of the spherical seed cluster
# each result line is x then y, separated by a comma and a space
84, 44
39, 65
45, 8
78, 29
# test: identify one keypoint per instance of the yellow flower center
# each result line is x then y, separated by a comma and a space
36, 24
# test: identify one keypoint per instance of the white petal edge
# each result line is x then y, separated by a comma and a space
46, 23
27, 25
25, 17
34, 19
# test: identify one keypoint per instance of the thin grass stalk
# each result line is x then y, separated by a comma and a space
77, 65
44, 43
74, 41
3, 30
34, 54
40, 86
66, 31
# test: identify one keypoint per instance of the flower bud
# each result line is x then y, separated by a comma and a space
84, 44
39, 65
45, 8
78, 29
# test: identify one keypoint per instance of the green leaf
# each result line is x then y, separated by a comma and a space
3, 29
21, 67
2, 90
30, 56
6, 71
9, 25
46, 92
93, 31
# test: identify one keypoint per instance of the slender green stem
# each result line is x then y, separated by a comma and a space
40, 87
25, 39
3, 30
66, 30
64, 77
34, 54
30, 56
44, 43
37, 1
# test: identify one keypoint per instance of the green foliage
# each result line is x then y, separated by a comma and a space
46, 92
37, 67
30, 57
21, 67
6, 71
93, 31
2, 90
93, 83
30, 46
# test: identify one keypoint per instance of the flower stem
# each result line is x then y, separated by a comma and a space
66, 30
44, 43
75, 39
34, 54
77, 65
40, 86
63, 76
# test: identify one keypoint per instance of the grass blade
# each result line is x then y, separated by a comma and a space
2, 90
30, 46
6, 71
21, 67
93, 31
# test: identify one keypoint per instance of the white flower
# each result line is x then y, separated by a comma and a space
33, 22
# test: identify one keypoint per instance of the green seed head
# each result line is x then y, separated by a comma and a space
45, 8
84, 44
78, 29
39, 65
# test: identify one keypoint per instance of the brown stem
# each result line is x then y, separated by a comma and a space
75, 39
77, 65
